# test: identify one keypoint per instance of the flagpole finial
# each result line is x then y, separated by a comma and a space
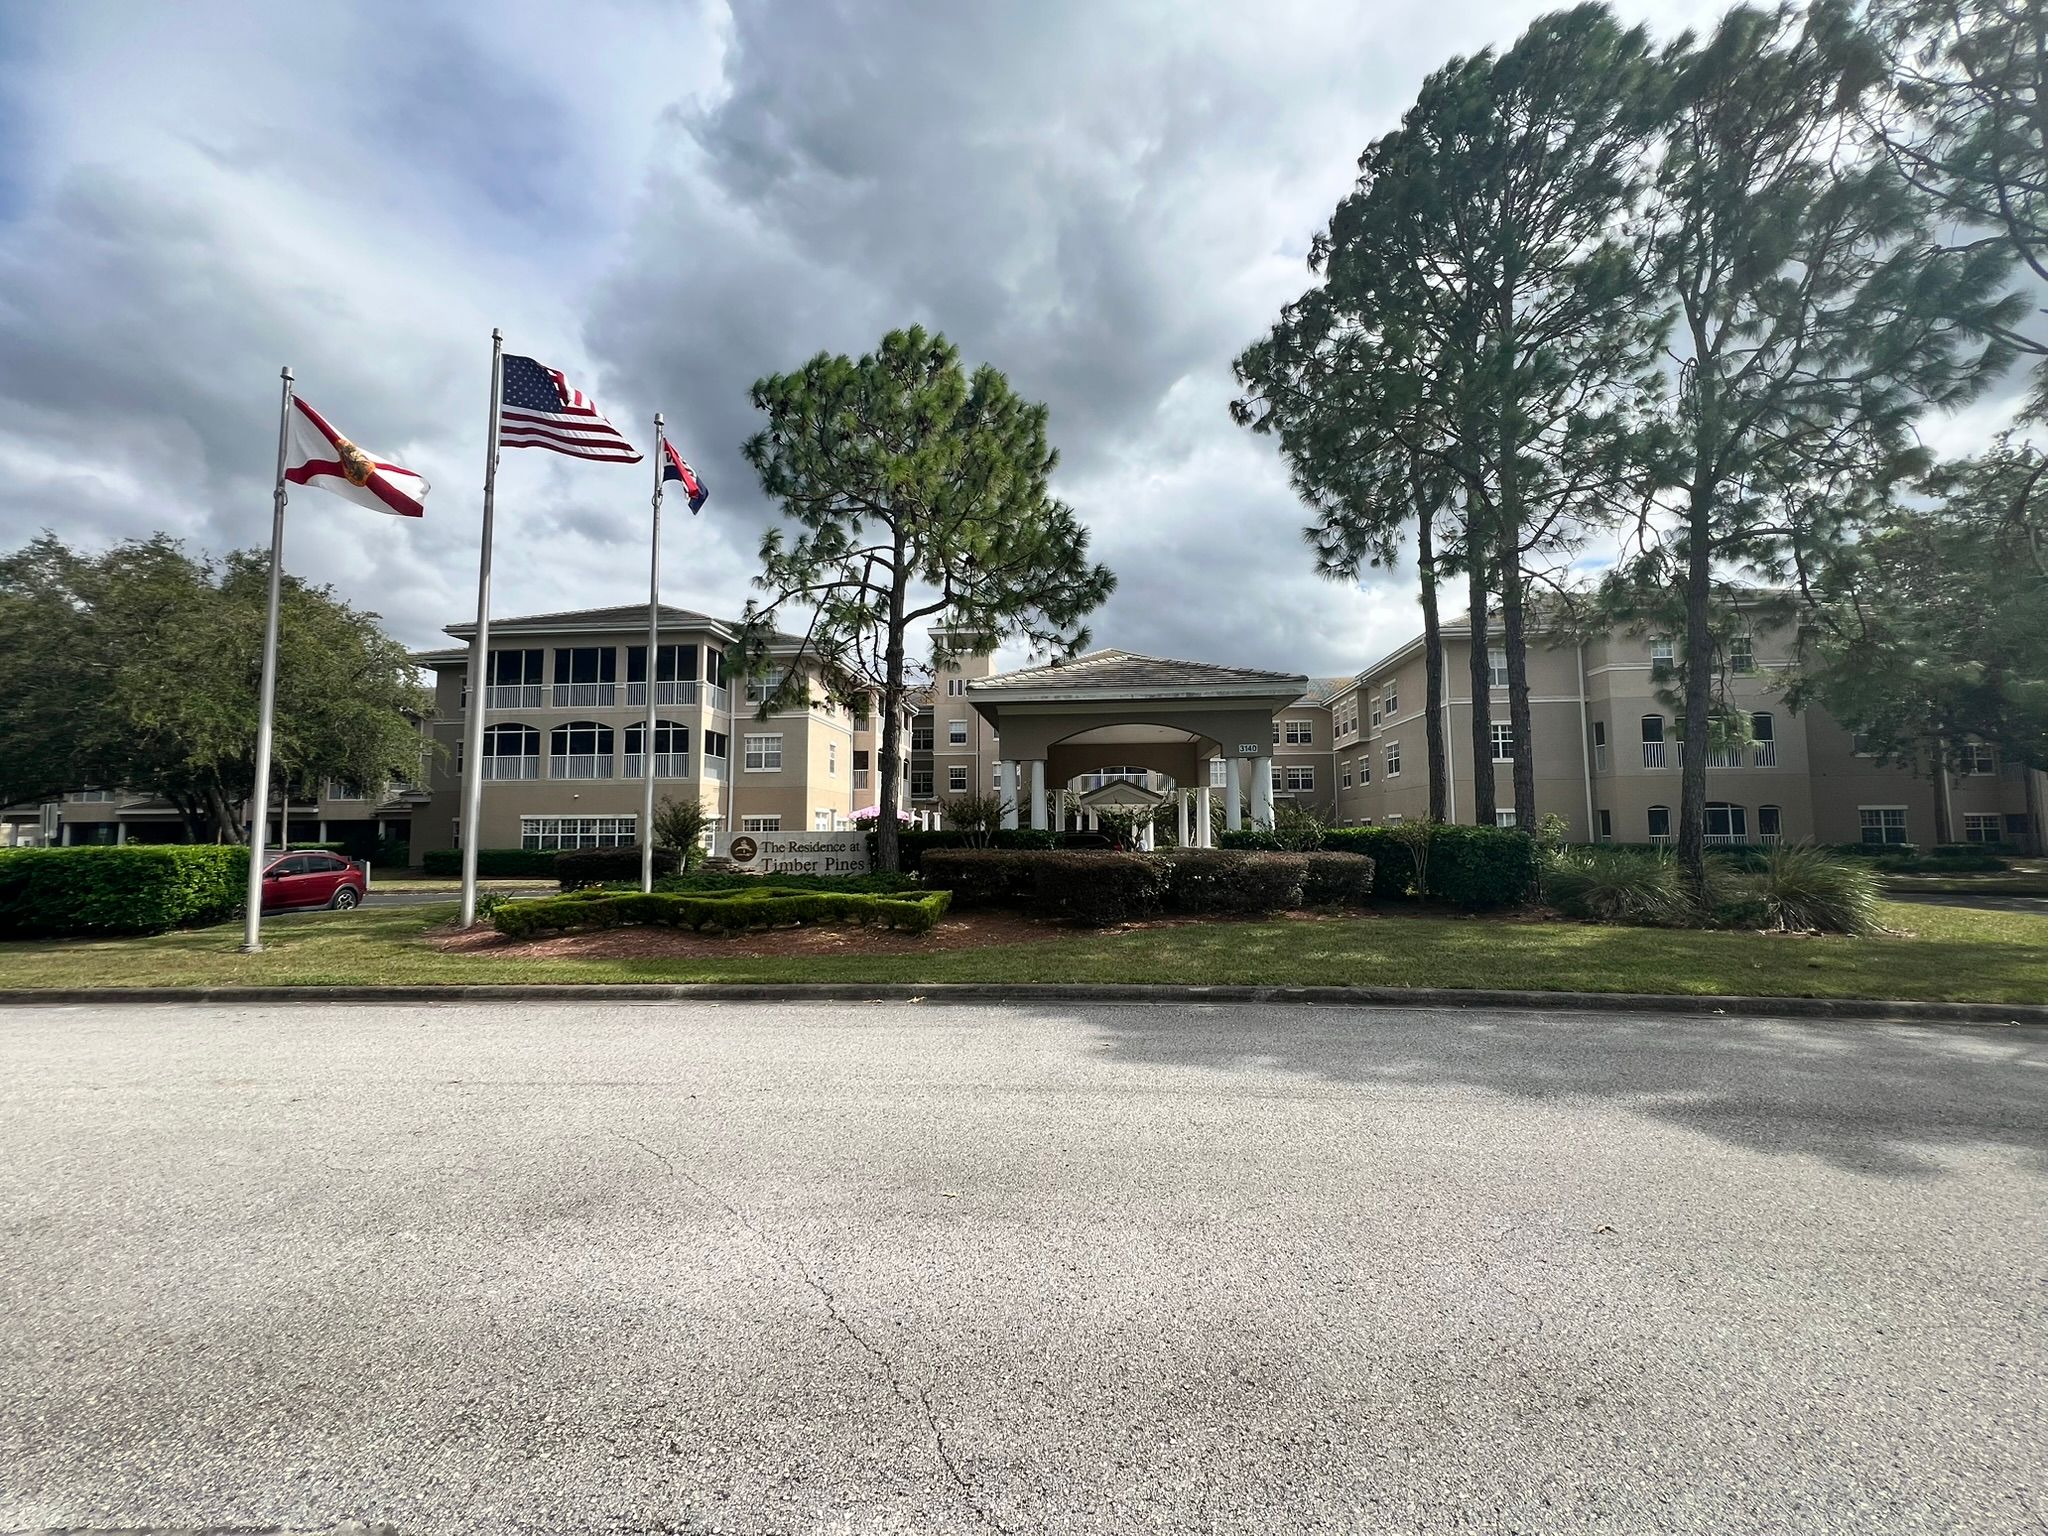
285, 372
496, 334
657, 421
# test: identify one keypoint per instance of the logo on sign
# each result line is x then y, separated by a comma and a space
743, 850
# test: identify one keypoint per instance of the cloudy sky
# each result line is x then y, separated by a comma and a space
1105, 200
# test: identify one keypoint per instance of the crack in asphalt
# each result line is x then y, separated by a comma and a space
791, 1261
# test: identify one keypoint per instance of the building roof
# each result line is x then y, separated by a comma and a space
1320, 691
1112, 671
625, 616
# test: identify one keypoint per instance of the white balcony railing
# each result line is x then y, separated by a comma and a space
664, 693
717, 698
514, 696
1661, 839
586, 695
1764, 754
1724, 757
1726, 839
511, 767
714, 768
667, 765
1653, 754
580, 765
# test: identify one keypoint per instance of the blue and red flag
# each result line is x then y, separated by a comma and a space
675, 467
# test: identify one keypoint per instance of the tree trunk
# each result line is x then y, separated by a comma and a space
1699, 664
230, 823
1482, 702
1514, 639
1432, 657
888, 853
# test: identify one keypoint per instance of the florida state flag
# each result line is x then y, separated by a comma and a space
320, 456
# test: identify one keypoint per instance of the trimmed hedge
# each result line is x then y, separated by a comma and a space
729, 912
1229, 880
53, 892
911, 847
594, 866
1091, 888
1471, 867
495, 863
699, 881
1335, 879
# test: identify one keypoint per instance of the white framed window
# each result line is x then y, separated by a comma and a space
1663, 654
1763, 730
1278, 779
1770, 823
920, 783
1599, 746
671, 750
1726, 823
831, 760
1365, 770
1504, 816
1390, 699
1217, 771
763, 754
1983, 828
576, 831
510, 752
581, 749
1741, 654
760, 823
956, 779
1503, 743
1606, 819
861, 759
1496, 668
1393, 759
1882, 823
1276, 733
956, 733
1301, 780
1345, 778
1659, 823
1978, 758
761, 689
1301, 733
995, 776
1375, 711
821, 820
337, 789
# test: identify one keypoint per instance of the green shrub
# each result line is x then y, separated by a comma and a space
1096, 889
594, 866
1972, 862
1478, 867
981, 877
699, 881
494, 863
1617, 885
1874, 850
912, 846
1807, 889
51, 892
391, 853
340, 848
1332, 879
1393, 861
1231, 880
769, 906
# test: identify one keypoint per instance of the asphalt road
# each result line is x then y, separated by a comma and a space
900, 1268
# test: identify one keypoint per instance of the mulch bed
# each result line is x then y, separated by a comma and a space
965, 930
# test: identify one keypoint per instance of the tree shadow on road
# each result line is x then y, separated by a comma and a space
1874, 1098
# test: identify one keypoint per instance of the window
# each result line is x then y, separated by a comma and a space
821, 820
515, 681
1763, 728
1393, 759
764, 687
920, 783
1365, 770
716, 745
1653, 741
1503, 743
1277, 779
1301, 733
1496, 668
1882, 823
1769, 823
956, 687
1606, 826
1344, 779
1977, 758
1504, 817
862, 714
585, 676
106, 796
576, 831
1741, 654
760, 823
672, 664
763, 754
921, 735
1301, 780
1599, 746
1726, 823
832, 759
860, 768
1375, 711
1660, 823
956, 733
1862, 745
1983, 829
2015, 825
1276, 733
956, 779
714, 667
1662, 656
1218, 773
1390, 699
671, 750
580, 750
337, 789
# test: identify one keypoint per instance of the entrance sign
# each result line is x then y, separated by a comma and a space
796, 853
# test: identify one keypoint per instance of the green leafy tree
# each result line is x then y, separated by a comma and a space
681, 825
979, 816
143, 666
1817, 321
917, 492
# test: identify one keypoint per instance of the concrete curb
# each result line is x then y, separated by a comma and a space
1877, 1009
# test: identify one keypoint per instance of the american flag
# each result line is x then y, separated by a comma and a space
538, 409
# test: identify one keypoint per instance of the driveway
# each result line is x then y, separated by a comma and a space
902, 1268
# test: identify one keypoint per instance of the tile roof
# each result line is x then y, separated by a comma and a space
1116, 671
626, 615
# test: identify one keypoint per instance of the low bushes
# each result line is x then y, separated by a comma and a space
1617, 885
1471, 867
1331, 879
495, 863
1808, 889
52, 892
1228, 880
1800, 889
767, 906
698, 881
911, 847
594, 866
1942, 861
1095, 889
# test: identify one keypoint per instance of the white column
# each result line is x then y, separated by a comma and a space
323, 831
1038, 794
120, 834
1204, 837
1262, 792
1233, 794
1009, 793
64, 835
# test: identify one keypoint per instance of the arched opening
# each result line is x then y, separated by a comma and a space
671, 750
582, 749
511, 751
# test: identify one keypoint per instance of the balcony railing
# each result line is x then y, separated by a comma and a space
1764, 754
1653, 754
1661, 839
514, 696
585, 695
664, 693
511, 768
579, 765
1724, 757
714, 768
667, 765
1726, 839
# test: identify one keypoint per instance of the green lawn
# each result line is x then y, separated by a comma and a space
1948, 954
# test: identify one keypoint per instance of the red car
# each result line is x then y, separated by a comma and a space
312, 880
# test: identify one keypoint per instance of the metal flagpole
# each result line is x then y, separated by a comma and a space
266, 713
480, 655
653, 650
